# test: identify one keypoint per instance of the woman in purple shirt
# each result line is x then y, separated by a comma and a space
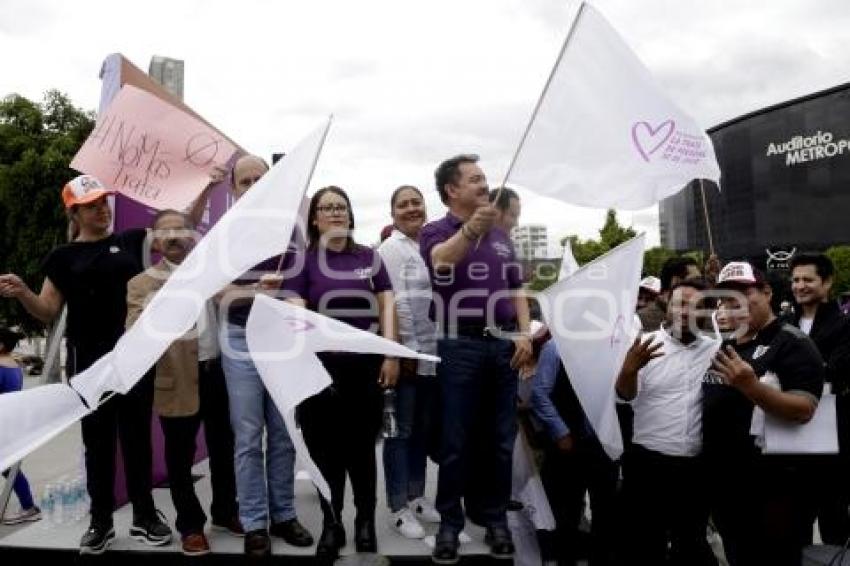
347, 282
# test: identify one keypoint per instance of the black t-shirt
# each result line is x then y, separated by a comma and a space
727, 413
92, 277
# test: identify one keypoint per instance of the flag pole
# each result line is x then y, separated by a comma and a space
540, 100
707, 221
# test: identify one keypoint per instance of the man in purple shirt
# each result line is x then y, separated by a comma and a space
482, 316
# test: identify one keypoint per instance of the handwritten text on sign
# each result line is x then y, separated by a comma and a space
151, 151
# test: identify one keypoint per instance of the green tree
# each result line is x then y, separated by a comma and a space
611, 235
840, 256
37, 142
654, 258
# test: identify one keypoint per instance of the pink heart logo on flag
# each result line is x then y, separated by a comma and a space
647, 139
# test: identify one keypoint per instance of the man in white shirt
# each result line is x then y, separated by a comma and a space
662, 474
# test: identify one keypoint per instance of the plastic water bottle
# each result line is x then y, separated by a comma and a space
48, 504
390, 422
60, 513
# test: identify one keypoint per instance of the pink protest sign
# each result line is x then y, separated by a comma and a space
151, 151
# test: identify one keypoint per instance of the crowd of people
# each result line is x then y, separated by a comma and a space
712, 354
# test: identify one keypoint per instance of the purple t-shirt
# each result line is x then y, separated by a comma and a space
486, 275
342, 285
237, 313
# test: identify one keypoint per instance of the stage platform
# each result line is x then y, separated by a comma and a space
41, 542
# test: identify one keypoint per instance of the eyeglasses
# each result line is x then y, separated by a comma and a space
330, 209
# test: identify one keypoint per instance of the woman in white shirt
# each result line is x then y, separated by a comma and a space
405, 454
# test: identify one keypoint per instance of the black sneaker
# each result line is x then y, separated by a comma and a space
96, 539
151, 530
445, 548
500, 542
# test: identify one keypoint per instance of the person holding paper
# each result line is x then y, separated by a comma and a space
483, 320
663, 474
347, 282
820, 318
761, 504
189, 389
265, 477
90, 275
405, 455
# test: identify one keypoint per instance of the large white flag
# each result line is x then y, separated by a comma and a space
590, 317
283, 340
569, 265
604, 133
257, 227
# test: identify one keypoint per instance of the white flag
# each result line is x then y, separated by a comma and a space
32, 417
257, 227
590, 317
569, 265
604, 134
283, 340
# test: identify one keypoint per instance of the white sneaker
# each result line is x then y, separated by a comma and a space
406, 524
27, 516
424, 510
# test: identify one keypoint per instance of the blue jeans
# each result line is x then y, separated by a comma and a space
12, 379
264, 486
405, 455
478, 392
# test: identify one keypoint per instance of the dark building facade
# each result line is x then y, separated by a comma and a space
785, 178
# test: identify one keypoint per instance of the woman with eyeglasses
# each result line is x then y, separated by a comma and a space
347, 282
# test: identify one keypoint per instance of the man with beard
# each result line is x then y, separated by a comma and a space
822, 320
663, 473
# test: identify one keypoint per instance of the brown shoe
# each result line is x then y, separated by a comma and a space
233, 527
195, 544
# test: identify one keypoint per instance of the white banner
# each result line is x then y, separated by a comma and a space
590, 316
604, 134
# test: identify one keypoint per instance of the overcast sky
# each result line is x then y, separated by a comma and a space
411, 83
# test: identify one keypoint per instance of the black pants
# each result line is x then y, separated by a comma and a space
567, 476
340, 427
665, 501
832, 481
125, 417
180, 434
762, 508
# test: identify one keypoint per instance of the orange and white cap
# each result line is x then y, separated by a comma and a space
82, 190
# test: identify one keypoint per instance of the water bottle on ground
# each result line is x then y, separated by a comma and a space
390, 423
48, 505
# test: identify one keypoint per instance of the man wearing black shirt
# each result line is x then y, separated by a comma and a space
759, 502
829, 329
